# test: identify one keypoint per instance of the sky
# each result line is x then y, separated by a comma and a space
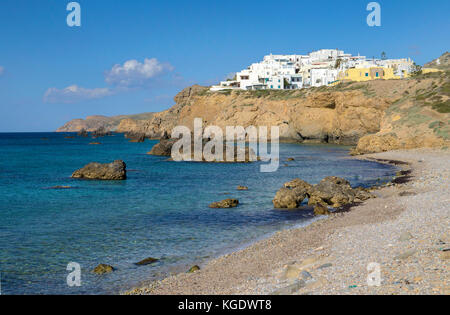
131, 57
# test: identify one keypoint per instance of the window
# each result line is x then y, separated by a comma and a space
271, 86
377, 74
279, 87
367, 74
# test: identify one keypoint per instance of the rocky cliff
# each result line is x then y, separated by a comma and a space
376, 115
331, 115
93, 123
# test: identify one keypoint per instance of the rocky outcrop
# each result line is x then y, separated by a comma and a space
419, 117
332, 192
227, 203
101, 132
111, 171
147, 261
292, 194
164, 148
102, 269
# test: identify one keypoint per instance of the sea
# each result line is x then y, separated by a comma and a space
160, 211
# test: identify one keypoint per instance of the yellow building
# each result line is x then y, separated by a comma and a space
368, 74
430, 70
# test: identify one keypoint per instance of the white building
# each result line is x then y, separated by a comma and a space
320, 77
318, 68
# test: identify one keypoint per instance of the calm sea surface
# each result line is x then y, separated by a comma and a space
160, 211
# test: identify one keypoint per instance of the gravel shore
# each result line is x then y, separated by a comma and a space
404, 232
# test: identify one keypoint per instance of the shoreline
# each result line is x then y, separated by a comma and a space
276, 265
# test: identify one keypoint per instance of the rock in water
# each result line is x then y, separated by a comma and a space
333, 191
111, 171
227, 203
147, 261
163, 148
102, 269
242, 188
292, 194
194, 269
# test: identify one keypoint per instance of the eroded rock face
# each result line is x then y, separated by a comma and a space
110, 171
163, 148
224, 204
292, 194
332, 191
289, 198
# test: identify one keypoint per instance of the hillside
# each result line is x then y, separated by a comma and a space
92, 123
376, 115
442, 63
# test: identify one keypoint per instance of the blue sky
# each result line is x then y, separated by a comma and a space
179, 43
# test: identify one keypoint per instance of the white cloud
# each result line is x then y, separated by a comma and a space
136, 74
1, 70
74, 94
132, 74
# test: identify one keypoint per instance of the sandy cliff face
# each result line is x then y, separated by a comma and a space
376, 115
419, 117
331, 115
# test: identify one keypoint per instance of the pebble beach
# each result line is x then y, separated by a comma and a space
402, 236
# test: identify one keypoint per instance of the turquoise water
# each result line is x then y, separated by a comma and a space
160, 211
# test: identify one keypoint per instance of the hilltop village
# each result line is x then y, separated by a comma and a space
325, 67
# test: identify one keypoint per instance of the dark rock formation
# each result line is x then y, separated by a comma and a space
101, 132
147, 261
102, 269
111, 171
163, 148
292, 194
331, 191
83, 133
135, 137
227, 203
194, 269
321, 210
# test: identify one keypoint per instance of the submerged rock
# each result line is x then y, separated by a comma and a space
194, 269
110, 171
227, 203
102, 269
147, 261
242, 188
